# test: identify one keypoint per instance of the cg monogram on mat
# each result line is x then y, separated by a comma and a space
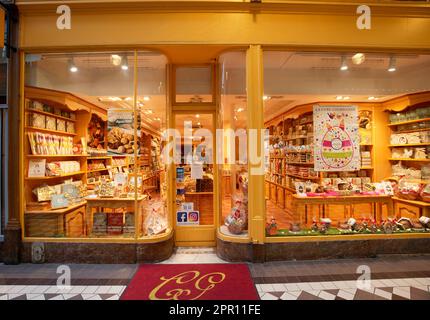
168, 289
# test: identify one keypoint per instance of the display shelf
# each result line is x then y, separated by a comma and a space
56, 211
51, 131
408, 145
408, 122
411, 130
301, 163
50, 114
303, 178
409, 159
99, 158
98, 170
366, 168
56, 156
413, 202
56, 177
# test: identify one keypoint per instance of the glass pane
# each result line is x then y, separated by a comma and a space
308, 147
233, 166
194, 84
88, 152
152, 171
194, 169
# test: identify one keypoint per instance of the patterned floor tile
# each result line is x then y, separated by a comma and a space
418, 294
289, 296
384, 294
307, 296
345, 295
326, 295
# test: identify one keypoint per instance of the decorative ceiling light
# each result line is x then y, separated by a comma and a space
343, 65
197, 116
124, 63
72, 66
392, 64
116, 59
358, 58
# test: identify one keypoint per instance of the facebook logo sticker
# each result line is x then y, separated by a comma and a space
181, 217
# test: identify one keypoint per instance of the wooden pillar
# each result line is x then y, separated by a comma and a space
256, 198
13, 236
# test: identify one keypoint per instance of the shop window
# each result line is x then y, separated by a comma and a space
194, 84
233, 161
92, 157
349, 148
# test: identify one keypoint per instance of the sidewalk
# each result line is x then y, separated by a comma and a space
392, 277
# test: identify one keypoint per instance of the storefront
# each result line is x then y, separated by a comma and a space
101, 179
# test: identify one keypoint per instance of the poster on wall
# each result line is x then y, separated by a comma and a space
121, 132
336, 138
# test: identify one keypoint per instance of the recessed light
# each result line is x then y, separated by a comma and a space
392, 65
358, 58
371, 98
346, 98
124, 63
72, 66
239, 109
344, 65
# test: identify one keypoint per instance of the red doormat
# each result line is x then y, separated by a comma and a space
191, 282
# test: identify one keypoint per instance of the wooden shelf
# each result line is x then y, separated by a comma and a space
99, 158
50, 114
56, 155
414, 202
366, 168
412, 130
56, 177
51, 131
301, 163
98, 170
56, 211
407, 159
408, 122
408, 145
304, 178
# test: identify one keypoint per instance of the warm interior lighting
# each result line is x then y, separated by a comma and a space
344, 65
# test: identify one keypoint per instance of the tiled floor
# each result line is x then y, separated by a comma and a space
391, 277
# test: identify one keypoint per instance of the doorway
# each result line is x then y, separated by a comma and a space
195, 179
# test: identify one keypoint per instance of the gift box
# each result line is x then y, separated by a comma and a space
61, 125
36, 120
51, 123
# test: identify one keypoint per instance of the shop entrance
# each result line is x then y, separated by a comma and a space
194, 179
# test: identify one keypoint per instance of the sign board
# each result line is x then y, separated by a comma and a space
336, 138
186, 218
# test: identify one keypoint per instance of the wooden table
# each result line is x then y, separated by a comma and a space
113, 203
321, 201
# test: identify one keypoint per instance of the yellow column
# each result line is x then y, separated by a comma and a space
256, 198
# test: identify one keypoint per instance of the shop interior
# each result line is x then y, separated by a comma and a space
392, 100
92, 149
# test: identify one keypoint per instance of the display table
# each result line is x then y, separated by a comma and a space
377, 202
112, 203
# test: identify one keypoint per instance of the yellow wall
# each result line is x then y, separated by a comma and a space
398, 27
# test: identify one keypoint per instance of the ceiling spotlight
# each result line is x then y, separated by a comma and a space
199, 124
197, 116
124, 63
344, 65
339, 98
371, 98
392, 65
358, 58
72, 66
346, 98
266, 98
146, 98
116, 60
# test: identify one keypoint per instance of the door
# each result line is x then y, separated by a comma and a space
195, 179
